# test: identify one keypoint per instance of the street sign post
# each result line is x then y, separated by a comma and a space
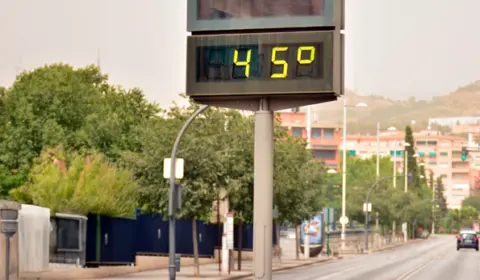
264, 56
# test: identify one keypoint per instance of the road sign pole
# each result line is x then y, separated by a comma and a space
328, 231
263, 192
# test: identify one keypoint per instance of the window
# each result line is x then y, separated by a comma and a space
324, 154
297, 131
444, 154
68, 234
458, 176
316, 133
328, 133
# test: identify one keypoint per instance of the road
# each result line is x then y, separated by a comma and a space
436, 258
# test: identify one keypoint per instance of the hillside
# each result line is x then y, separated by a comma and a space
465, 101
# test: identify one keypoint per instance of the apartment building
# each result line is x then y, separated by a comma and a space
325, 138
440, 153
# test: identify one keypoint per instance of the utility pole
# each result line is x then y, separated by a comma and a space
378, 150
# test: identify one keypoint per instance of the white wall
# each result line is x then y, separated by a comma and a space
34, 238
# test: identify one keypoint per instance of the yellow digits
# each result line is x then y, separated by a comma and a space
301, 49
279, 62
245, 63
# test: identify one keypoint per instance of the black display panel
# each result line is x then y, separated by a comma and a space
254, 62
261, 64
222, 15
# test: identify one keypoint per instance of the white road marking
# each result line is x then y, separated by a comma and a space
340, 272
411, 273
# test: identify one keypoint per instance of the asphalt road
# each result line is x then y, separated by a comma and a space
436, 258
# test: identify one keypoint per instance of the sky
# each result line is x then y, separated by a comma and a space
394, 48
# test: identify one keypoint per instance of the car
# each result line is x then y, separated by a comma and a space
467, 239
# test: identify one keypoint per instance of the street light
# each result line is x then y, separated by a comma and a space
344, 171
394, 129
332, 171
405, 167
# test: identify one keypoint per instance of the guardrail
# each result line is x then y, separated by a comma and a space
355, 242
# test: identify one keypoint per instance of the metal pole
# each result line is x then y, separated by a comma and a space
7, 257
366, 226
394, 179
306, 240
344, 171
395, 164
219, 233
405, 224
433, 208
171, 203
378, 150
263, 192
309, 127
328, 231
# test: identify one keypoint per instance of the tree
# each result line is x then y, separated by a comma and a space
69, 182
203, 152
218, 154
472, 201
76, 108
412, 161
442, 202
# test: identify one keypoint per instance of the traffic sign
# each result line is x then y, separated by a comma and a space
328, 215
367, 208
178, 168
344, 220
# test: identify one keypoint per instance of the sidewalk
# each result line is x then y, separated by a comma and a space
207, 271
210, 271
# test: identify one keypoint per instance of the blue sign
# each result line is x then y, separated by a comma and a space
315, 230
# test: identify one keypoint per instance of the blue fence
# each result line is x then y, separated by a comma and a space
118, 240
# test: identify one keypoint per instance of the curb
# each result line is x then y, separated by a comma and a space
382, 249
286, 268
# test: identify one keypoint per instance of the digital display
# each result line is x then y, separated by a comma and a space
264, 63
226, 9
220, 15
259, 62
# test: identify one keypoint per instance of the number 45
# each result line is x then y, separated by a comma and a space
284, 63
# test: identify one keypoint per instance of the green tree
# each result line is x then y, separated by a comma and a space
218, 154
412, 161
73, 183
76, 108
204, 154
440, 189
472, 201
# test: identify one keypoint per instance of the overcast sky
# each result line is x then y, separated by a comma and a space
395, 48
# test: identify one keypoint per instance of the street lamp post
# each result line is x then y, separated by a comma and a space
344, 169
393, 129
405, 224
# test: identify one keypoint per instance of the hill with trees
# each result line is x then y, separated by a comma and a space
465, 101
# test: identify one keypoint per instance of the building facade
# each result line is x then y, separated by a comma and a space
325, 138
440, 153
